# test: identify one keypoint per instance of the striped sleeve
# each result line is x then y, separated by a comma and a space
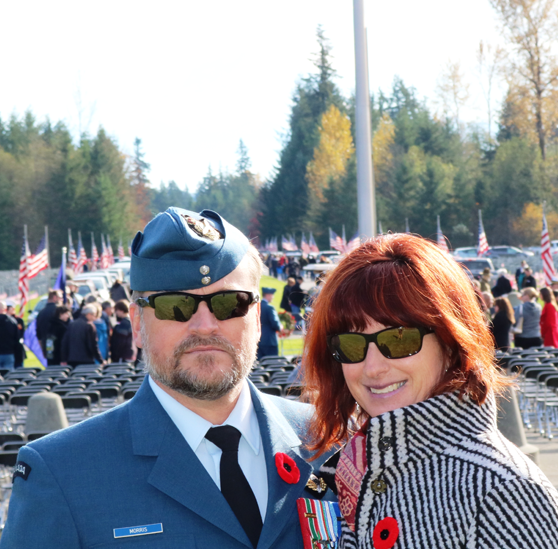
516, 514
348, 538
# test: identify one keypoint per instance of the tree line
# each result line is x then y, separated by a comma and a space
426, 161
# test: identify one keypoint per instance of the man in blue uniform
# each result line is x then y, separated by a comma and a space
269, 344
199, 457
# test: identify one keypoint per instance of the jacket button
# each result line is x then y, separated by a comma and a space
378, 486
385, 443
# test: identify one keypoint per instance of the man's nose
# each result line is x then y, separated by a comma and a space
203, 321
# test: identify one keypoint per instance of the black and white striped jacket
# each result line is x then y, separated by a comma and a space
452, 481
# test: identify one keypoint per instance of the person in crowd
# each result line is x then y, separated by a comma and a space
121, 341
199, 457
102, 331
400, 366
285, 303
504, 319
282, 263
274, 265
528, 317
269, 319
72, 293
20, 354
520, 274
55, 334
9, 338
45, 316
549, 319
486, 280
107, 314
489, 302
79, 345
297, 298
503, 286
528, 280
119, 292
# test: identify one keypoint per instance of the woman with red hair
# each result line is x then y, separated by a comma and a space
399, 364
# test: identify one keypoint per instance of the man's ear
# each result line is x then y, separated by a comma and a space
135, 319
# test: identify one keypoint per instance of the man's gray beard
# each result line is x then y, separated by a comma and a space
186, 382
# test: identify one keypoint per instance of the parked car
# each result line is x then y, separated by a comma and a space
465, 252
507, 251
475, 267
99, 282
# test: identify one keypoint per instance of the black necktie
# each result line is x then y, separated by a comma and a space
234, 485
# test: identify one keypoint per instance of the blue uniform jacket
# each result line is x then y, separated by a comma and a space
131, 467
270, 324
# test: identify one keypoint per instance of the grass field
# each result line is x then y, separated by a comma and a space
292, 345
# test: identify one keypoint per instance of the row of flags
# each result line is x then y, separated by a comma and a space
30, 265
288, 244
340, 242
482, 246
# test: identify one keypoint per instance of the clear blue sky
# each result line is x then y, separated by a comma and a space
192, 78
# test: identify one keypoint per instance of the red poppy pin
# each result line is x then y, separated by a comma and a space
385, 533
287, 469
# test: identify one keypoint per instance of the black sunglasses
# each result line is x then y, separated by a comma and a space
181, 306
351, 347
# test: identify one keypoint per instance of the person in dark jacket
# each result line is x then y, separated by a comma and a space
529, 280
45, 316
121, 342
502, 323
80, 345
503, 285
20, 354
55, 334
118, 292
297, 298
268, 344
9, 337
285, 303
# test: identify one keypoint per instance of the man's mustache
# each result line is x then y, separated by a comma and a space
194, 341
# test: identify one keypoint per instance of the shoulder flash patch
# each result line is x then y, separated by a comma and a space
22, 470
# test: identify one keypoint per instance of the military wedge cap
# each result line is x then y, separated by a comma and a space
184, 250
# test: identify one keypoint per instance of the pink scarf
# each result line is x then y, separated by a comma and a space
350, 471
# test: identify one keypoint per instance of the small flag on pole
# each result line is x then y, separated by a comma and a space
94, 254
304, 246
81, 256
23, 280
482, 247
336, 242
72, 256
312, 243
546, 254
440, 237
354, 243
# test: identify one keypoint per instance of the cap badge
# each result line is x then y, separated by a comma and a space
202, 228
204, 269
206, 280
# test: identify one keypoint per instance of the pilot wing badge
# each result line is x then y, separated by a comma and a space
203, 228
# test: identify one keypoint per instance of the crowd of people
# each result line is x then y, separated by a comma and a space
515, 315
72, 330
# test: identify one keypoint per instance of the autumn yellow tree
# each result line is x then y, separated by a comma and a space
531, 28
528, 227
452, 90
329, 163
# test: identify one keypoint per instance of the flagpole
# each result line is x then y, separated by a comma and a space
363, 131
47, 246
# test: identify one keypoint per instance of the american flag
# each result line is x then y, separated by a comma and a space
336, 242
130, 248
313, 246
304, 246
440, 237
104, 254
39, 261
546, 255
81, 257
72, 256
120, 251
287, 245
110, 252
354, 243
482, 247
23, 280
273, 247
94, 254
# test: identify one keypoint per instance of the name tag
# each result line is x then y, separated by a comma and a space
131, 531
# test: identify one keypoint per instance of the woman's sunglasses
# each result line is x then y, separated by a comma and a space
351, 347
181, 306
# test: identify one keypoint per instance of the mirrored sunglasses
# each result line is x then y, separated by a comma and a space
351, 347
182, 306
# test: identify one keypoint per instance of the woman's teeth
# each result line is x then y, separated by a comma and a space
387, 389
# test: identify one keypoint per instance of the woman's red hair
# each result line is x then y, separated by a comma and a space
396, 280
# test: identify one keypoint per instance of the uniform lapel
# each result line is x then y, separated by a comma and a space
177, 471
278, 436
